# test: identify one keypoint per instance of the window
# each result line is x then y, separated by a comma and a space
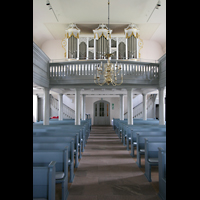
95, 110
101, 109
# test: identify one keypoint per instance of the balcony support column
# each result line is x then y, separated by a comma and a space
161, 106
77, 106
121, 107
46, 106
83, 107
144, 106
60, 107
130, 105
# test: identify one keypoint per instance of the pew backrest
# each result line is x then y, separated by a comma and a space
56, 146
57, 138
151, 149
143, 130
44, 181
45, 156
151, 136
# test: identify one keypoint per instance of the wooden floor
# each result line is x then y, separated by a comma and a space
108, 172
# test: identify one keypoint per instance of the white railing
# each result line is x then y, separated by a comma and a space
145, 70
68, 113
138, 110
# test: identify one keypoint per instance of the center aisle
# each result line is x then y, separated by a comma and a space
108, 172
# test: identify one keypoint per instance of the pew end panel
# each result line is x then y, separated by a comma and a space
162, 173
151, 156
44, 181
42, 157
151, 136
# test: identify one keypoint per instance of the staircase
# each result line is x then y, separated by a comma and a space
138, 110
68, 113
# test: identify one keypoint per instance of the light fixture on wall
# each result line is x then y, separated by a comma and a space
108, 73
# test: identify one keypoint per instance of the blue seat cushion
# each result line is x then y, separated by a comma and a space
60, 175
153, 160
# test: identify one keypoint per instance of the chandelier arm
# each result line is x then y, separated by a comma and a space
120, 82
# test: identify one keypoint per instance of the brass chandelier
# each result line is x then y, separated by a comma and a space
108, 73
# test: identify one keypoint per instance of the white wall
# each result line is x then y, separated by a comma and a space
151, 49
137, 100
69, 102
53, 49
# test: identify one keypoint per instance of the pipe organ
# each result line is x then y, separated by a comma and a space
77, 47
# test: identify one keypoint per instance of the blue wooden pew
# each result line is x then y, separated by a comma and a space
44, 181
58, 137
59, 146
152, 136
73, 129
131, 132
151, 156
65, 128
134, 132
42, 157
162, 173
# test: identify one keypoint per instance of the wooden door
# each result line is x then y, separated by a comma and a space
101, 113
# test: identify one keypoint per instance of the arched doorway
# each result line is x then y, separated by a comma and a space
101, 112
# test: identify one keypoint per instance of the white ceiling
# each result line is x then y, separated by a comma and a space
88, 14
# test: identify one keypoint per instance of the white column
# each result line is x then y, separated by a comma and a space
94, 49
77, 48
121, 107
161, 106
144, 106
60, 99
87, 51
117, 44
46, 107
126, 48
77, 106
35, 108
83, 107
130, 105
67, 49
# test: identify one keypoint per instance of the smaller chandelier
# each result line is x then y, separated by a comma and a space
108, 73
